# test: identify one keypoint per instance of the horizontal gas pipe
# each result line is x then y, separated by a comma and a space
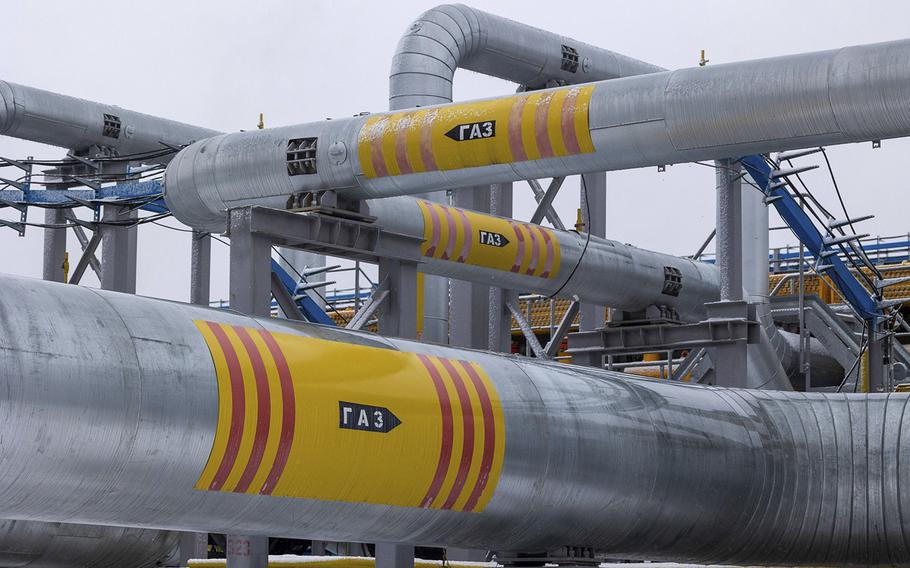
77, 124
477, 247
29, 544
824, 98
190, 418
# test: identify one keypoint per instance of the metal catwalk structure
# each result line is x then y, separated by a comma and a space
193, 418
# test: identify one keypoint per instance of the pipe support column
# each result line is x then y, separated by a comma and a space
118, 250
500, 330
200, 268
54, 246
399, 314
247, 551
250, 267
469, 320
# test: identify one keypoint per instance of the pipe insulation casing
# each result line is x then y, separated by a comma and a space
131, 411
29, 544
831, 97
454, 36
77, 124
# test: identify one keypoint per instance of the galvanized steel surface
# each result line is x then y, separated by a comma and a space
29, 544
831, 97
111, 406
77, 124
452, 36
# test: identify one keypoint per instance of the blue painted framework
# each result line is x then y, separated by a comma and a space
809, 235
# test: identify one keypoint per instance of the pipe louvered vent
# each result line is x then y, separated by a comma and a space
672, 281
111, 126
569, 59
301, 156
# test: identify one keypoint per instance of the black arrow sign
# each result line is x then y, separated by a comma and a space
353, 416
492, 239
473, 131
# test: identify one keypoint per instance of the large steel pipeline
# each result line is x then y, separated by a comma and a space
448, 37
831, 97
454, 36
77, 124
29, 544
132, 411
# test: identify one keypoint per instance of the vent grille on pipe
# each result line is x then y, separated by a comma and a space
301, 156
672, 281
111, 126
569, 59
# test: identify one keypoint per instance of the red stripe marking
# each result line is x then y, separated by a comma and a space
235, 433
288, 413
489, 437
535, 251
468, 237
401, 146
467, 445
445, 451
551, 253
263, 410
520, 244
376, 132
541, 135
567, 122
426, 142
435, 225
450, 241
515, 143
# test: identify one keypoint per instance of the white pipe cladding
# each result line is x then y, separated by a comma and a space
189, 418
831, 97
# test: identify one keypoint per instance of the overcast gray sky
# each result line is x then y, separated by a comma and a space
219, 63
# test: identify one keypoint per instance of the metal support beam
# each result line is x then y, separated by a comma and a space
593, 203
193, 546
118, 250
285, 301
527, 331
247, 551
545, 202
250, 269
500, 329
200, 268
394, 555
469, 319
88, 253
54, 246
399, 316
562, 329
83, 241
366, 311
876, 357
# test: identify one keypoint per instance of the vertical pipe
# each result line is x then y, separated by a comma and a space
593, 204
500, 330
729, 230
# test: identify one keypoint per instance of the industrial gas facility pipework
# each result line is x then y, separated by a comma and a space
712, 409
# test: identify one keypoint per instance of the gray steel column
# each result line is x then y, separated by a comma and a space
54, 246
200, 268
118, 250
250, 270
875, 358
500, 330
469, 307
247, 551
394, 555
730, 361
193, 546
594, 216
399, 314
250, 293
